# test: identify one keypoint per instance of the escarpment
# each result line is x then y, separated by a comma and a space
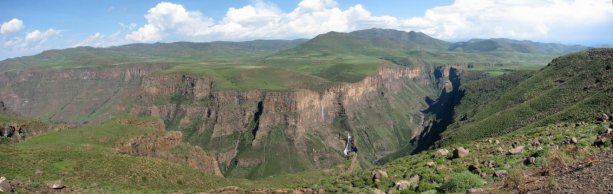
252, 133
170, 147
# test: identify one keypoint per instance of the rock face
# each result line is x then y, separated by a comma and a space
460, 152
171, 147
250, 133
19, 130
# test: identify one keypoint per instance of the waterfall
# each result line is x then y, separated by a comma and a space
323, 118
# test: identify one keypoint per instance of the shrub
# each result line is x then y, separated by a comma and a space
462, 181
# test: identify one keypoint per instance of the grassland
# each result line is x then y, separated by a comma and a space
85, 158
436, 178
570, 88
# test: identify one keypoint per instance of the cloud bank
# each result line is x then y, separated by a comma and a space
520, 19
569, 21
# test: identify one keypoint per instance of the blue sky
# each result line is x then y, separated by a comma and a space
28, 26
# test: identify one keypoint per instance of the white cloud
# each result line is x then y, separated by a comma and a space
38, 37
513, 19
32, 41
170, 18
101, 40
12, 25
462, 19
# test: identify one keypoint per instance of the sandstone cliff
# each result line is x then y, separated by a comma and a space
249, 133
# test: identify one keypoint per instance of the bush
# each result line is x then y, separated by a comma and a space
462, 181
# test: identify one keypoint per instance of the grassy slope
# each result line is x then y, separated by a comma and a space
570, 88
553, 153
85, 159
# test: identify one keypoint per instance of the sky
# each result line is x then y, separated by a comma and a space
31, 26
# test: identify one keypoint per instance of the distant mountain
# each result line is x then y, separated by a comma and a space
400, 39
603, 46
374, 42
509, 45
150, 53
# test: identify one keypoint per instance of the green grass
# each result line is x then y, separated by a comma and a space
462, 181
457, 179
85, 158
570, 88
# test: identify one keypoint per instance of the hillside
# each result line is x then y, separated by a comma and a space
569, 89
506, 45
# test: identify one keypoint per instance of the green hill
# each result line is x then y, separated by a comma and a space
572, 88
506, 45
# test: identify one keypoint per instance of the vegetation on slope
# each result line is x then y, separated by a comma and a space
571, 88
491, 156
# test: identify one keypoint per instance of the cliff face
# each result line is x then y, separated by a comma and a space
249, 133
74, 95
170, 147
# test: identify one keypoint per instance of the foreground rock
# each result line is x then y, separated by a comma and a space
408, 184
460, 152
377, 175
441, 152
516, 150
59, 184
500, 173
5, 186
376, 191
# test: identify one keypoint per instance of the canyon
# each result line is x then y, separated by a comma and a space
250, 133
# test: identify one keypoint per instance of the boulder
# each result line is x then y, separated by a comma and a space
441, 152
460, 152
603, 117
430, 164
607, 131
530, 161
536, 143
376, 191
573, 140
474, 169
5, 186
500, 150
600, 141
516, 150
377, 175
441, 168
475, 191
59, 184
408, 184
500, 173
488, 163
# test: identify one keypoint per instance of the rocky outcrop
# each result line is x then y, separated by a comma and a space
250, 133
74, 96
235, 124
15, 129
170, 147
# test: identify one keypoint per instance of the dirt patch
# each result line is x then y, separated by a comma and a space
592, 175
